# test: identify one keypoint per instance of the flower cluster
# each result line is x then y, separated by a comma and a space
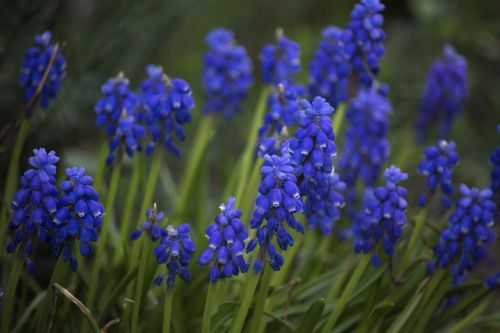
43, 64
34, 204
495, 171
128, 135
226, 242
444, 93
437, 167
330, 69
367, 147
165, 108
79, 216
383, 218
323, 204
175, 247
280, 62
470, 227
283, 112
227, 73
278, 202
365, 43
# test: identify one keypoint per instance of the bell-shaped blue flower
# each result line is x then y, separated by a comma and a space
280, 62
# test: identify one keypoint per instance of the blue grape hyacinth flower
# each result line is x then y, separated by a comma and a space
127, 137
34, 205
175, 246
437, 167
117, 97
367, 147
492, 281
227, 73
165, 107
78, 217
280, 62
330, 69
444, 93
365, 45
383, 217
39, 59
275, 207
462, 244
495, 171
226, 242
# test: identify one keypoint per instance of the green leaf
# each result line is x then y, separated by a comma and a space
381, 308
397, 325
312, 317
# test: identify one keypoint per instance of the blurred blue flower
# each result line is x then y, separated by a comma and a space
36, 63
278, 201
165, 107
280, 62
34, 204
127, 136
117, 97
383, 217
492, 281
226, 242
495, 171
444, 93
227, 73
78, 217
365, 43
366, 147
330, 69
437, 167
470, 228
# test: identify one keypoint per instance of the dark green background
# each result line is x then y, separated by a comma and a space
105, 37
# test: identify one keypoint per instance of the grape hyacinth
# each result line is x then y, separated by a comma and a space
284, 107
437, 167
278, 202
365, 46
227, 73
127, 136
39, 59
383, 218
117, 97
226, 242
330, 69
79, 216
34, 204
495, 171
175, 247
444, 93
323, 204
165, 108
492, 281
367, 147
280, 62
462, 244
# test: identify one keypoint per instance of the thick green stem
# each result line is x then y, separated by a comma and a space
338, 118
101, 244
167, 310
101, 166
246, 300
12, 178
128, 211
420, 222
10, 293
136, 307
344, 298
209, 308
251, 142
257, 324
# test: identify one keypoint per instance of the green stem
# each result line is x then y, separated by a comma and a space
10, 292
101, 245
465, 322
204, 134
246, 300
209, 307
128, 211
251, 141
12, 177
338, 118
344, 298
324, 245
101, 166
136, 307
167, 310
257, 324
420, 222
434, 298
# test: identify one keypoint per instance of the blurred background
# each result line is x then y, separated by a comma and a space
103, 37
